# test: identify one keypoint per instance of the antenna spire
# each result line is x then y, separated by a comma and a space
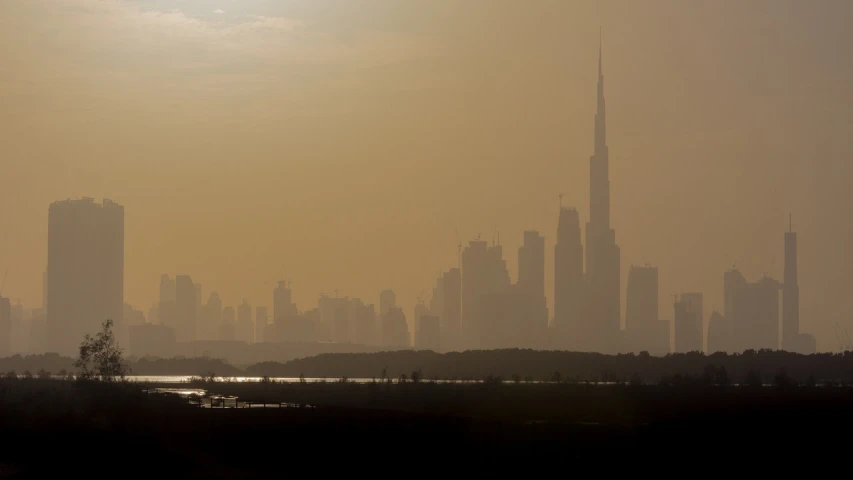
599, 51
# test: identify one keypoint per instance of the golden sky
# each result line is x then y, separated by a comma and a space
340, 143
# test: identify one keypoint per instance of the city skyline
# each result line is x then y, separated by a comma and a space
432, 236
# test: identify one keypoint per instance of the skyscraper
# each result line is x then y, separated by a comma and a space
85, 270
395, 330
531, 264
451, 311
694, 302
245, 329
643, 328
185, 309
568, 277
421, 310
602, 312
688, 334
756, 315
282, 301
387, 301
228, 329
790, 292
261, 321
483, 272
166, 308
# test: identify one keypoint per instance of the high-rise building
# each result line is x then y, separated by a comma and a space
261, 322
365, 324
85, 270
421, 310
694, 303
531, 264
483, 272
515, 319
718, 334
602, 309
395, 330
387, 301
185, 319
790, 292
643, 330
5, 327
210, 318
688, 330
37, 331
166, 308
429, 335
245, 328
568, 278
451, 311
283, 305
756, 315
342, 319
228, 328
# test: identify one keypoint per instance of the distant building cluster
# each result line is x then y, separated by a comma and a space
475, 305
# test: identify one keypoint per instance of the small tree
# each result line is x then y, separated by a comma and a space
100, 356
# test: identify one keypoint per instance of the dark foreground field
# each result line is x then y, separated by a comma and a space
112, 431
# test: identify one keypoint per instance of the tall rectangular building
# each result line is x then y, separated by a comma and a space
790, 293
185, 320
85, 270
451, 310
694, 303
642, 324
568, 278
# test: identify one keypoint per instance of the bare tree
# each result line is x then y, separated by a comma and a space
100, 356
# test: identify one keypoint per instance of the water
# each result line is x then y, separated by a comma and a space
186, 379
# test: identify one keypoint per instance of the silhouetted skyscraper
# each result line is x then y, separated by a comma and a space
429, 335
790, 292
568, 278
365, 324
756, 317
213, 314
531, 264
718, 335
228, 328
694, 302
283, 301
687, 330
483, 272
85, 270
185, 309
245, 328
421, 310
387, 301
166, 307
602, 311
261, 321
395, 330
451, 312
643, 328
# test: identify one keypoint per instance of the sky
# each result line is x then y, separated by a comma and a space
341, 144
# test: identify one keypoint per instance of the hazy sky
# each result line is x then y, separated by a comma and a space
340, 143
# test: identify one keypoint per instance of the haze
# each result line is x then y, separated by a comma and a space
341, 143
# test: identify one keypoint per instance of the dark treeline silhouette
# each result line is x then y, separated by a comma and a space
569, 366
54, 364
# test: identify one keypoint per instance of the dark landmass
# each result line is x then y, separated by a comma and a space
574, 366
509, 365
102, 430
52, 363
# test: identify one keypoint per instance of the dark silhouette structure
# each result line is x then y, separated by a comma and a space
184, 321
5, 327
644, 331
85, 270
568, 279
602, 312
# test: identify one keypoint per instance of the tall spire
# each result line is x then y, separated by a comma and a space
600, 73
